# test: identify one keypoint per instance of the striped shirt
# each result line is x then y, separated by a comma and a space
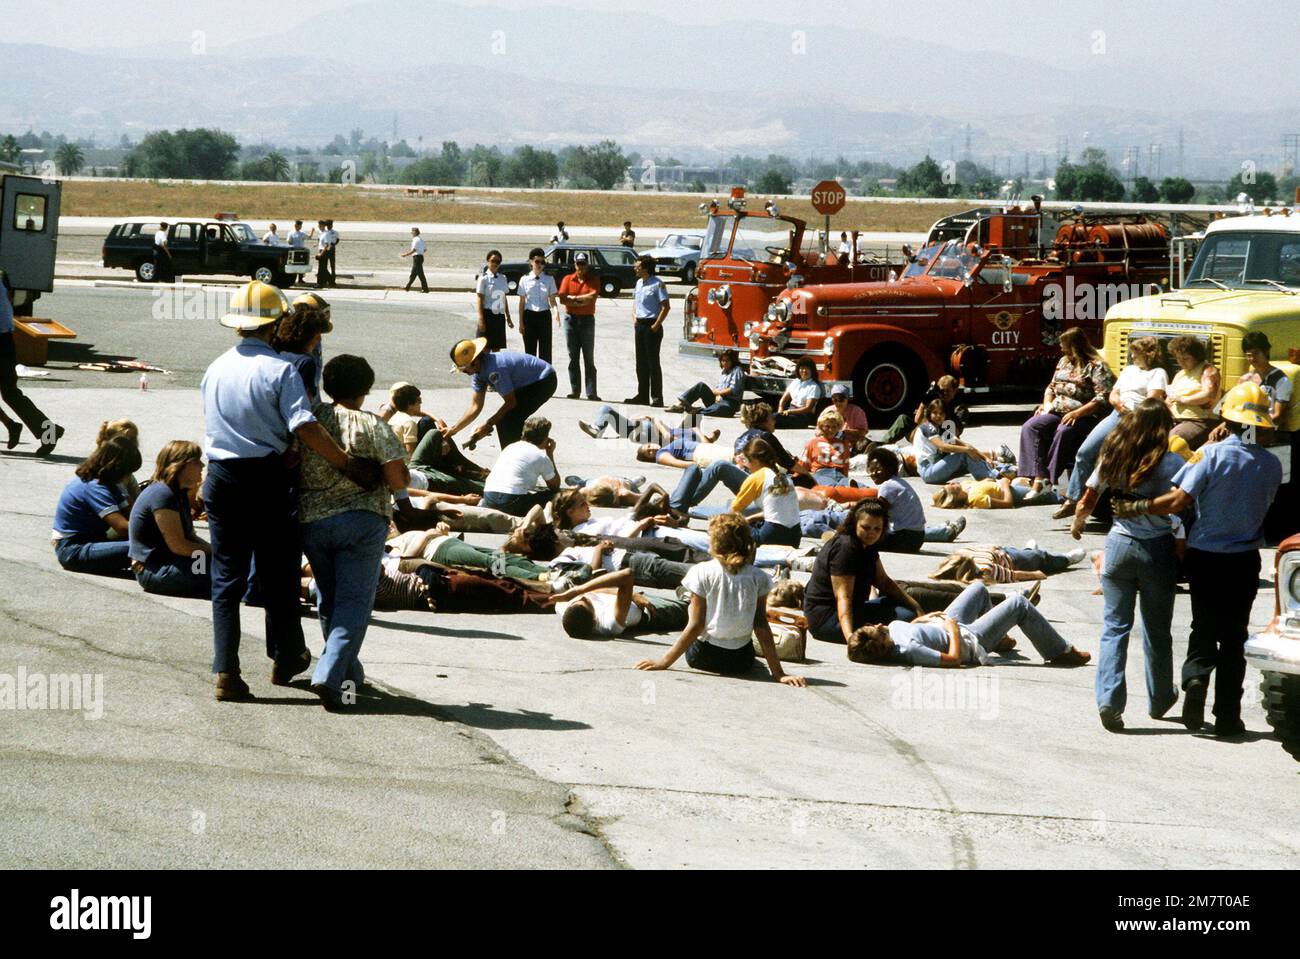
994, 564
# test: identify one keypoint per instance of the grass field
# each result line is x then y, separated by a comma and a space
576, 208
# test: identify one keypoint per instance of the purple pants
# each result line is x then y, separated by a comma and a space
1047, 447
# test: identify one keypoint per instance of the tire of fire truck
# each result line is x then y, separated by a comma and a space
887, 381
1281, 701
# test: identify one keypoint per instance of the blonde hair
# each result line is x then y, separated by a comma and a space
731, 542
752, 414
787, 594
124, 428
173, 458
947, 498
602, 492
564, 501
959, 566
831, 414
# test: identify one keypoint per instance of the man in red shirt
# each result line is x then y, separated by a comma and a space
826, 456
578, 292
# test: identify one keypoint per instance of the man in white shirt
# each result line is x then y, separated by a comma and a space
416, 253
510, 486
162, 254
297, 238
561, 234
272, 238
325, 270
537, 301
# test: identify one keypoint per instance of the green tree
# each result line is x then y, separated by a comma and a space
199, 154
1259, 186
772, 180
69, 159
277, 166
1091, 180
924, 179
1175, 189
483, 166
432, 170
530, 167
1144, 191
9, 149
452, 155
603, 166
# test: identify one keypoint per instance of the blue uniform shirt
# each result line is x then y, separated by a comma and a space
82, 508
649, 297
6, 312
682, 445
253, 399
1233, 485
1158, 482
506, 371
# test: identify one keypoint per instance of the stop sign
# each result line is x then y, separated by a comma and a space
828, 197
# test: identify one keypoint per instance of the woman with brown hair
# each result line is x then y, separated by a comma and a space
297, 338
1144, 377
1193, 391
166, 557
90, 525
1072, 402
1139, 564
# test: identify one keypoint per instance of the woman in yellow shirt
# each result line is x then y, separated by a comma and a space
778, 524
1193, 392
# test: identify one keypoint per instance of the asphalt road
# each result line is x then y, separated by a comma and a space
501, 741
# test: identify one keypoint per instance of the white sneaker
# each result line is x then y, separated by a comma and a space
1031, 544
957, 526
1075, 556
803, 564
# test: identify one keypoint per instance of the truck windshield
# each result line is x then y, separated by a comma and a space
952, 262
716, 237
763, 238
243, 232
1247, 260
922, 262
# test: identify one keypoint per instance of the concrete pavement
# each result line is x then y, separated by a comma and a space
503, 723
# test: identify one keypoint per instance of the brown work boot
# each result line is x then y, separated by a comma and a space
282, 672
1071, 657
231, 688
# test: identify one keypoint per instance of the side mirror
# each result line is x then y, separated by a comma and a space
1007, 285
909, 253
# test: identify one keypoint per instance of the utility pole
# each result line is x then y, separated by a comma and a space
1153, 161
1291, 150
1180, 151
967, 153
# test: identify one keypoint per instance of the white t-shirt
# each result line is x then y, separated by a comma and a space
297, 238
493, 288
803, 392
1135, 384
417, 245
780, 508
518, 469
602, 607
606, 526
272, 238
731, 601
160, 238
925, 450
705, 455
585, 554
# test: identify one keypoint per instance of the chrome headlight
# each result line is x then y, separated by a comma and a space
720, 296
1288, 583
778, 311
828, 346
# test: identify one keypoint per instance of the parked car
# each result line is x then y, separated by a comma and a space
221, 245
612, 264
677, 254
1276, 651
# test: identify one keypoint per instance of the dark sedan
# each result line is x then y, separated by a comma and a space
612, 264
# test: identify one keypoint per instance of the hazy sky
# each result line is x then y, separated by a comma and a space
1190, 32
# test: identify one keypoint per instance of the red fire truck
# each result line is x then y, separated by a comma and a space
986, 299
747, 258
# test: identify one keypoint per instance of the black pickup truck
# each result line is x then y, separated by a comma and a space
202, 248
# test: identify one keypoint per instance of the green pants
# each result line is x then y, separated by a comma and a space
443, 470
665, 615
455, 552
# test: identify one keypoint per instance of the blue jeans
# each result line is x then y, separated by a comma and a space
703, 393
1137, 571
944, 467
697, 483
769, 533
99, 559
580, 338
640, 430
1085, 460
815, 522
345, 552
517, 504
830, 476
882, 609
175, 576
974, 610
1037, 560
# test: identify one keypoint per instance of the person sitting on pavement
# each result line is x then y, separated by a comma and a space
778, 522
797, 407
128, 431
826, 455
941, 455
728, 608
91, 531
837, 598
166, 557
854, 417
523, 381
405, 414
760, 423
511, 484
946, 388
720, 400
964, 634
908, 530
